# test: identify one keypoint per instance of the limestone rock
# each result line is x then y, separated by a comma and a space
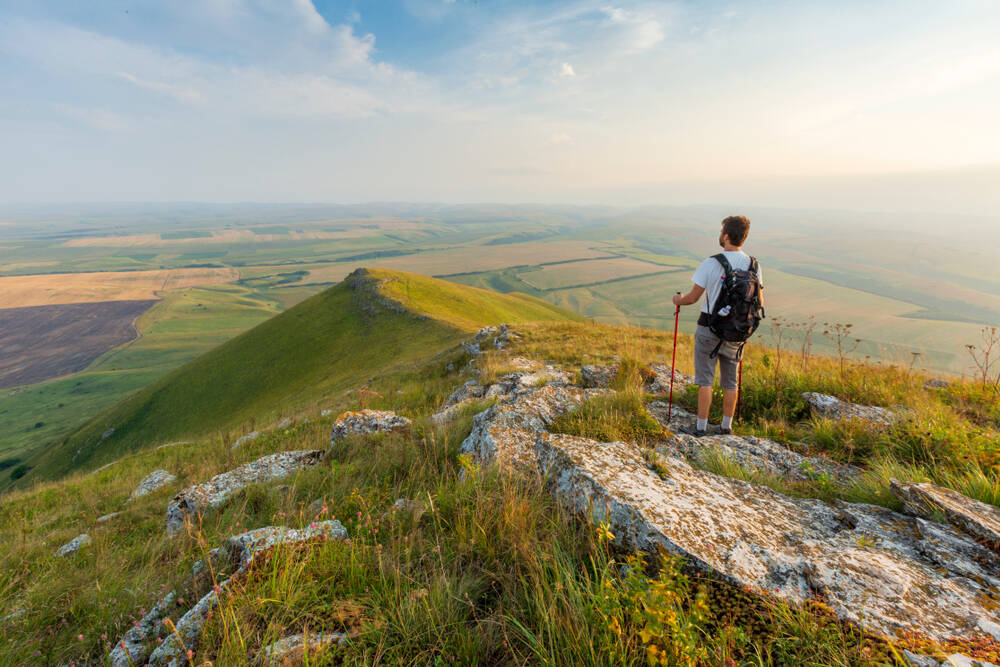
832, 407
367, 421
171, 653
869, 564
501, 335
915, 660
244, 439
132, 647
959, 660
506, 432
936, 383
293, 650
218, 489
107, 517
973, 517
598, 376
154, 481
760, 454
284, 423
73, 545
241, 549
660, 381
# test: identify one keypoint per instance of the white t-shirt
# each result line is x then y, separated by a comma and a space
711, 274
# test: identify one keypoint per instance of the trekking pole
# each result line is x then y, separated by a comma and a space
673, 363
739, 387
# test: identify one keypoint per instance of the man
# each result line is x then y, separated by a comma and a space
707, 346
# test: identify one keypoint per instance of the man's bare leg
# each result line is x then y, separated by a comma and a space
729, 397
704, 402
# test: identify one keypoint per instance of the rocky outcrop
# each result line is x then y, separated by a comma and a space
73, 545
832, 407
293, 650
364, 422
217, 490
975, 518
500, 335
659, 380
239, 550
506, 432
759, 454
594, 376
154, 481
244, 439
132, 648
529, 376
882, 570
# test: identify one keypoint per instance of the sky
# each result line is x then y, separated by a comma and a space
883, 105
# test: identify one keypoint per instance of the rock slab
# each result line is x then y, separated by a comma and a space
294, 649
832, 407
364, 422
73, 545
975, 518
154, 481
214, 492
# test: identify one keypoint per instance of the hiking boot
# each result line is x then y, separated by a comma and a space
725, 431
693, 430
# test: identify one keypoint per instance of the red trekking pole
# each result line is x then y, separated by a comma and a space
739, 387
673, 363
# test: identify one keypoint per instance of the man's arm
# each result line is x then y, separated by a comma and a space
690, 297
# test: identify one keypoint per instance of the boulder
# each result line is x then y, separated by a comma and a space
975, 518
659, 383
218, 489
132, 648
241, 551
293, 650
154, 481
244, 439
959, 660
73, 545
879, 569
832, 407
107, 517
367, 421
594, 376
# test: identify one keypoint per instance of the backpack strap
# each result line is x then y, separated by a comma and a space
726, 266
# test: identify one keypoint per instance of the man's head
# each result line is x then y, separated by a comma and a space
734, 230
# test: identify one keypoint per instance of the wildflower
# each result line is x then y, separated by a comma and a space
604, 532
79, 638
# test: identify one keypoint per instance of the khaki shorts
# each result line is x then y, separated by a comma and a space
704, 365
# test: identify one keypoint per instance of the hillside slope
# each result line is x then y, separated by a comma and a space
374, 321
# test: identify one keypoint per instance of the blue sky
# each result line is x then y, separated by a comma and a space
581, 101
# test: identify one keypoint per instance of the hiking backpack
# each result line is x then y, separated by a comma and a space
738, 310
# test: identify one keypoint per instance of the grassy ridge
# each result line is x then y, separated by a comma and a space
329, 343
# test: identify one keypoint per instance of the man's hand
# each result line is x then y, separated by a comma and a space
690, 297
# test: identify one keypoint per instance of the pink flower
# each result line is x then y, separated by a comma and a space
79, 638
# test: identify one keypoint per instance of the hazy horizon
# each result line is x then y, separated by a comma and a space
847, 106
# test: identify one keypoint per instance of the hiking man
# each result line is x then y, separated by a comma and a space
724, 324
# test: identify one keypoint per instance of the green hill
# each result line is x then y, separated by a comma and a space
375, 321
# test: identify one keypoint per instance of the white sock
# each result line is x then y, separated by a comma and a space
727, 422
703, 424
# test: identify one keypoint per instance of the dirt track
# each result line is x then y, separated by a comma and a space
43, 342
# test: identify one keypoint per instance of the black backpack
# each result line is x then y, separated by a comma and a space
738, 310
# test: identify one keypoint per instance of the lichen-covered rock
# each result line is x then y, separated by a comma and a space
214, 492
872, 566
73, 545
972, 517
506, 432
294, 649
239, 550
132, 648
759, 454
244, 439
363, 422
594, 376
154, 481
959, 660
832, 407
501, 336
659, 383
